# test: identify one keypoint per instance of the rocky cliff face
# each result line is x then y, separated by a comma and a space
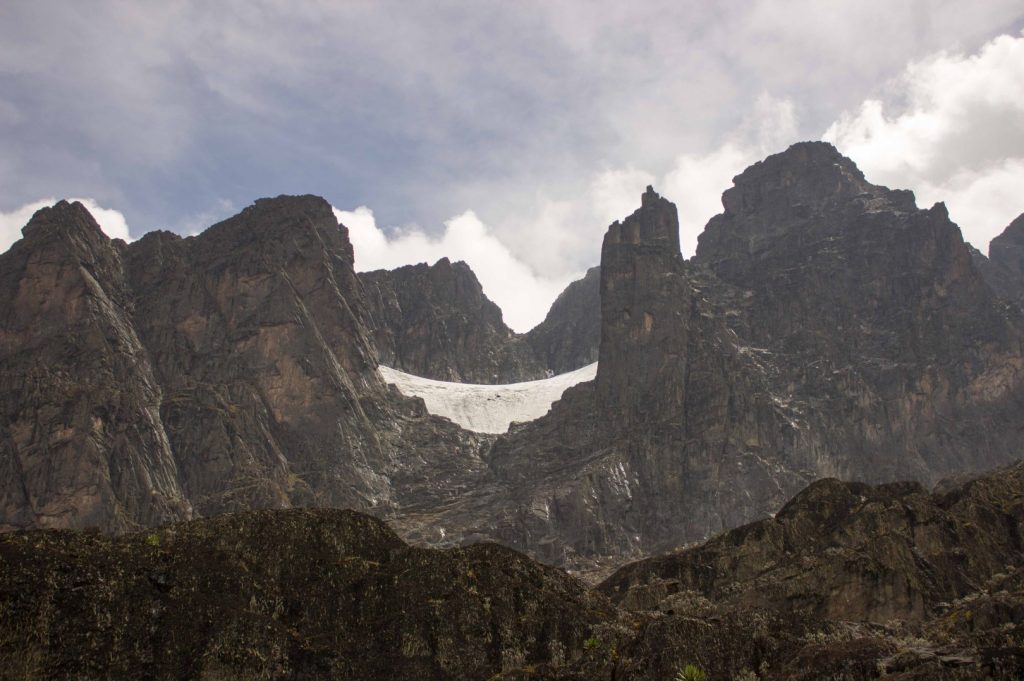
83, 442
868, 305
570, 335
643, 377
848, 581
232, 370
670, 440
1004, 268
848, 551
826, 327
435, 321
250, 374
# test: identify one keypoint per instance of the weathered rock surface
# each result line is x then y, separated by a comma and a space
826, 328
869, 306
82, 440
570, 335
848, 581
232, 370
666, 444
1004, 267
285, 594
435, 321
933, 567
849, 551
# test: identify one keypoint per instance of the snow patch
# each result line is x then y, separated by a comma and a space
487, 408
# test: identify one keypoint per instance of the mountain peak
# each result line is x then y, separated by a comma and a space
1006, 253
1015, 230
63, 217
654, 223
649, 197
807, 173
282, 227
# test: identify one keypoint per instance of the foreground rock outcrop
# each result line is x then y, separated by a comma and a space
849, 551
848, 581
287, 594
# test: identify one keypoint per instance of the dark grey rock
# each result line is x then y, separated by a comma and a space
1004, 270
570, 335
435, 321
232, 370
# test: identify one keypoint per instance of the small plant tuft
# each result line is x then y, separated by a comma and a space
690, 672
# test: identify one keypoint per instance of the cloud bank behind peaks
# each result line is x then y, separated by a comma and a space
506, 280
953, 132
111, 221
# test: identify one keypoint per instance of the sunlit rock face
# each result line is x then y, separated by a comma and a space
81, 441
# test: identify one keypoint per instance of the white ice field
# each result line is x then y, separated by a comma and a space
487, 408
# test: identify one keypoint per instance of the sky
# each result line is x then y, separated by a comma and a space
505, 134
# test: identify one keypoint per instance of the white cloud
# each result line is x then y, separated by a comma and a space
616, 193
525, 262
982, 202
696, 185
696, 182
198, 222
956, 134
516, 288
111, 221
561, 238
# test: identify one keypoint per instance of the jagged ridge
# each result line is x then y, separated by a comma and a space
848, 581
